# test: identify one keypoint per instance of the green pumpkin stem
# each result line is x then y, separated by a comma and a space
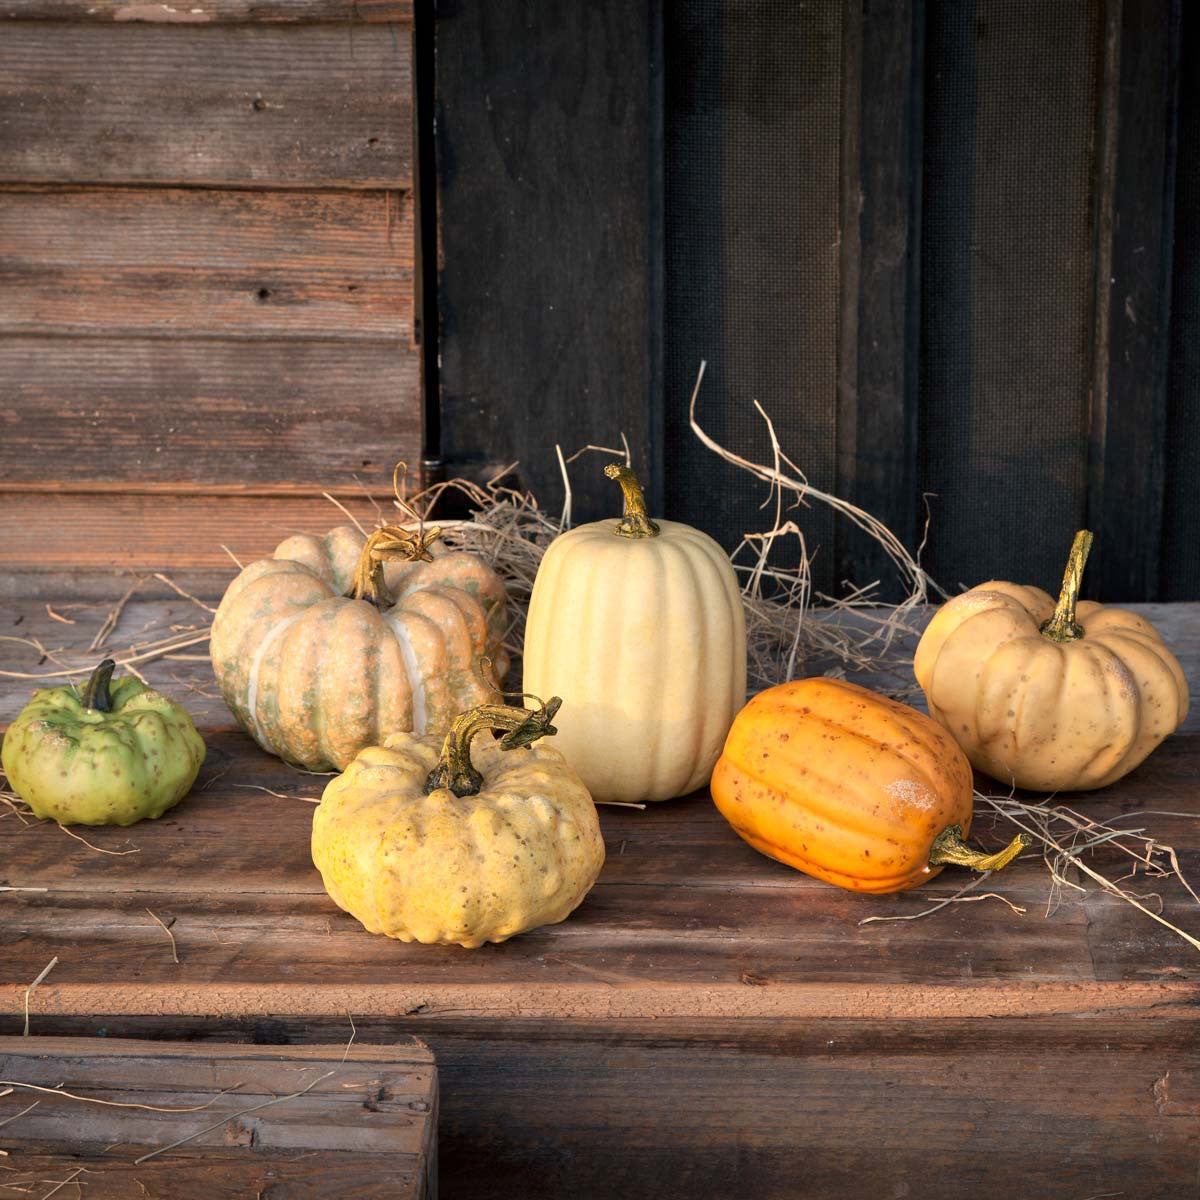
635, 523
949, 847
1062, 627
454, 770
96, 694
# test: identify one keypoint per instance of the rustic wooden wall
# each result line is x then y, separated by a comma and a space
207, 283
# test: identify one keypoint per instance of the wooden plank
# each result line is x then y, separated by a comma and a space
705, 1019
318, 1103
1127, 506
686, 922
145, 532
301, 416
136, 262
206, 12
213, 1172
547, 161
877, 416
712, 1109
275, 105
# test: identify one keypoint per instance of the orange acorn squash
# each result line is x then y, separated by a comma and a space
848, 786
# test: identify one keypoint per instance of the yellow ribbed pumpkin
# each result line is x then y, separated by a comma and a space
847, 785
639, 625
337, 641
1052, 698
430, 849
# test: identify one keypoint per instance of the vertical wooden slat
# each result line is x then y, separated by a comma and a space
548, 163
880, 305
1130, 414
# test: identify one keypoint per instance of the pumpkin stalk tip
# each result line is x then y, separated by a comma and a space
1062, 626
635, 521
522, 726
96, 694
391, 543
950, 847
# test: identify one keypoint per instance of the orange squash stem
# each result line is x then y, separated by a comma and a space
950, 847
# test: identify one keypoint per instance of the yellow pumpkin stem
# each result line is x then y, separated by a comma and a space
635, 522
949, 847
95, 692
1062, 627
454, 769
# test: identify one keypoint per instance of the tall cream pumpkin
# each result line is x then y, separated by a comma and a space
639, 626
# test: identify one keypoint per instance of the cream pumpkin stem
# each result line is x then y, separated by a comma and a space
389, 544
96, 695
950, 847
1062, 627
635, 522
454, 769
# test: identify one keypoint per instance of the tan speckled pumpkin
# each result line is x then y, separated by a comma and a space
335, 642
428, 848
1049, 698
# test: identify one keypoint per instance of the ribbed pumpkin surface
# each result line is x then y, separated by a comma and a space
314, 676
1046, 715
438, 868
842, 783
645, 640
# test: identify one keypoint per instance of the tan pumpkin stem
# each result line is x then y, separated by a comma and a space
390, 544
454, 769
95, 692
949, 847
1062, 627
635, 522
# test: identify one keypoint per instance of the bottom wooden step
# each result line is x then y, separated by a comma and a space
102, 1118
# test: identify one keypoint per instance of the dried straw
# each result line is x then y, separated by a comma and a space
29, 992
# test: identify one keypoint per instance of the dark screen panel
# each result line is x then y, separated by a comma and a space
1180, 559
1007, 284
753, 127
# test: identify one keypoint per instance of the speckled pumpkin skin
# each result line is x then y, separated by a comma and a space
443, 869
1044, 715
77, 766
315, 676
842, 783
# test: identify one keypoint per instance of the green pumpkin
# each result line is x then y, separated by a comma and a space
116, 754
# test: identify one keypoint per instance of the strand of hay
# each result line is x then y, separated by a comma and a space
1065, 836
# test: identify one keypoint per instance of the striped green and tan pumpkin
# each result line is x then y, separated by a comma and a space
335, 642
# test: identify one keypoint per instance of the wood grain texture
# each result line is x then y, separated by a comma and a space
298, 415
117, 533
833, 1109
706, 1021
207, 12
547, 171
267, 105
687, 920
878, 350
134, 262
366, 1111
1130, 429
